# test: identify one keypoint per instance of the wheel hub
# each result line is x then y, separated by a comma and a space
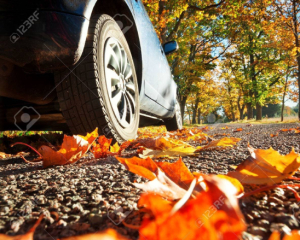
119, 82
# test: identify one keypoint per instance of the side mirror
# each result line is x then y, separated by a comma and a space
170, 47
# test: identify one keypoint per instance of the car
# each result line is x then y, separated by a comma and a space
81, 64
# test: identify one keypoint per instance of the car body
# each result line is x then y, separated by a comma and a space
39, 38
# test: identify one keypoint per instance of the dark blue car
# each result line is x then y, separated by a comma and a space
84, 64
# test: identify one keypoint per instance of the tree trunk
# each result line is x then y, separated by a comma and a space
182, 102
295, 21
249, 111
233, 116
194, 116
199, 116
258, 111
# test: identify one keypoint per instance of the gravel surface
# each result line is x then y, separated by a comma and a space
93, 195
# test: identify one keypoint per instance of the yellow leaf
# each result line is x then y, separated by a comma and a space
266, 167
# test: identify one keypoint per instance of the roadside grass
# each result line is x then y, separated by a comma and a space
252, 121
12, 134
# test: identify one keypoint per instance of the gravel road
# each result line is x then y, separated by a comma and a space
88, 196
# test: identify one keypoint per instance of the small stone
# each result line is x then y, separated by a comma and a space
4, 210
273, 199
95, 219
41, 200
255, 214
263, 222
293, 207
15, 225
255, 230
3, 183
287, 219
248, 236
280, 227
60, 197
77, 207
96, 197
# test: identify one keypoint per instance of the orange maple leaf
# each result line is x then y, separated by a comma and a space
170, 180
274, 135
212, 214
220, 144
72, 149
238, 130
109, 234
266, 167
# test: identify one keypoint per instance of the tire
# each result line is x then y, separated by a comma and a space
102, 90
175, 123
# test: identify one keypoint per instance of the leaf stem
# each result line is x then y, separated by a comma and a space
32, 148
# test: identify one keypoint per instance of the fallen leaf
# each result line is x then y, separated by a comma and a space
211, 215
177, 172
163, 186
238, 130
109, 234
274, 135
101, 148
220, 144
266, 167
72, 149
4, 155
115, 148
164, 148
146, 168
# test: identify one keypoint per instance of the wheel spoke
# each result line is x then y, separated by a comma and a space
130, 86
112, 76
131, 100
114, 60
124, 110
130, 112
124, 60
118, 53
116, 98
128, 72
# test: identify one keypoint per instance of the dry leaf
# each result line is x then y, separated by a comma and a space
266, 167
238, 130
4, 155
170, 180
109, 234
220, 144
164, 148
146, 168
211, 215
101, 148
274, 135
72, 149
115, 148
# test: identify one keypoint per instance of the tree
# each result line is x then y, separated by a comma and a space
285, 16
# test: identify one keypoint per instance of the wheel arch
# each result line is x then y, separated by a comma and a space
120, 7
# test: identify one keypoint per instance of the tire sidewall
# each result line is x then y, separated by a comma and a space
110, 29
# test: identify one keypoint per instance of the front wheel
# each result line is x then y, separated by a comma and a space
102, 90
175, 123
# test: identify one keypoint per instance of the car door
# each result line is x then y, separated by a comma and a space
158, 81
